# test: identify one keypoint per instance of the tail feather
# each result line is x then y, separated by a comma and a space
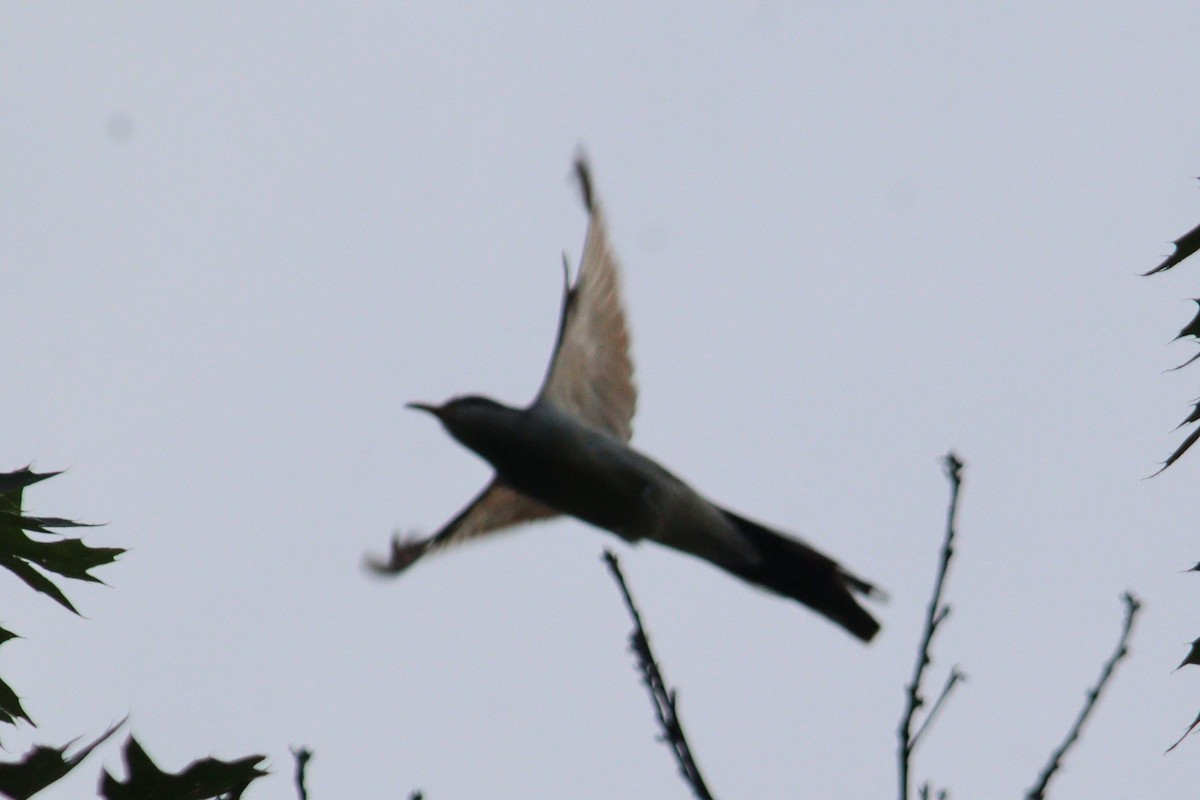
793, 569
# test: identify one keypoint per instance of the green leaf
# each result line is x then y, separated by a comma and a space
40, 524
70, 558
201, 780
10, 704
1193, 327
1184, 364
1185, 246
12, 481
1191, 728
35, 580
42, 766
24, 556
1194, 416
1193, 656
1179, 451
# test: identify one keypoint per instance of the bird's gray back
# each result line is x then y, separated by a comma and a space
588, 473
578, 469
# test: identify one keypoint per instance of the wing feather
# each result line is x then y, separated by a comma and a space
495, 508
590, 377
591, 372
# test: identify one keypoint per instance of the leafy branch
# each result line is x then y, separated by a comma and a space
29, 558
1185, 246
34, 560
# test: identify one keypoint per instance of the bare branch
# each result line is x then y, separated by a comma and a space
956, 676
926, 792
1038, 792
935, 615
662, 697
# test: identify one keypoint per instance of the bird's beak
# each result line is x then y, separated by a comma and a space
435, 410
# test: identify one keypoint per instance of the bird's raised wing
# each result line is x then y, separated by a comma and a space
591, 373
495, 508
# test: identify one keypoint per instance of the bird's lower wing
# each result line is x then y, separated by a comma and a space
495, 508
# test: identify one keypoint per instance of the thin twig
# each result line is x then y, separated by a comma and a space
933, 618
302, 757
926, 792
662, 697
1038, 792
954, 678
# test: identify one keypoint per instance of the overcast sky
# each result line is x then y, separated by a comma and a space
235, 239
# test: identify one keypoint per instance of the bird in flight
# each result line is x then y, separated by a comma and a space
568, 452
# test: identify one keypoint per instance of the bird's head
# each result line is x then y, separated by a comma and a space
473, 420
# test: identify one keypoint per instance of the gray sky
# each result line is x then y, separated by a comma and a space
235, 240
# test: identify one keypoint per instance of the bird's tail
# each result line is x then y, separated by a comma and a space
795, 570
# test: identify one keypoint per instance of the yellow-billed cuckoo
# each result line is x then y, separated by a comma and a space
568, 453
